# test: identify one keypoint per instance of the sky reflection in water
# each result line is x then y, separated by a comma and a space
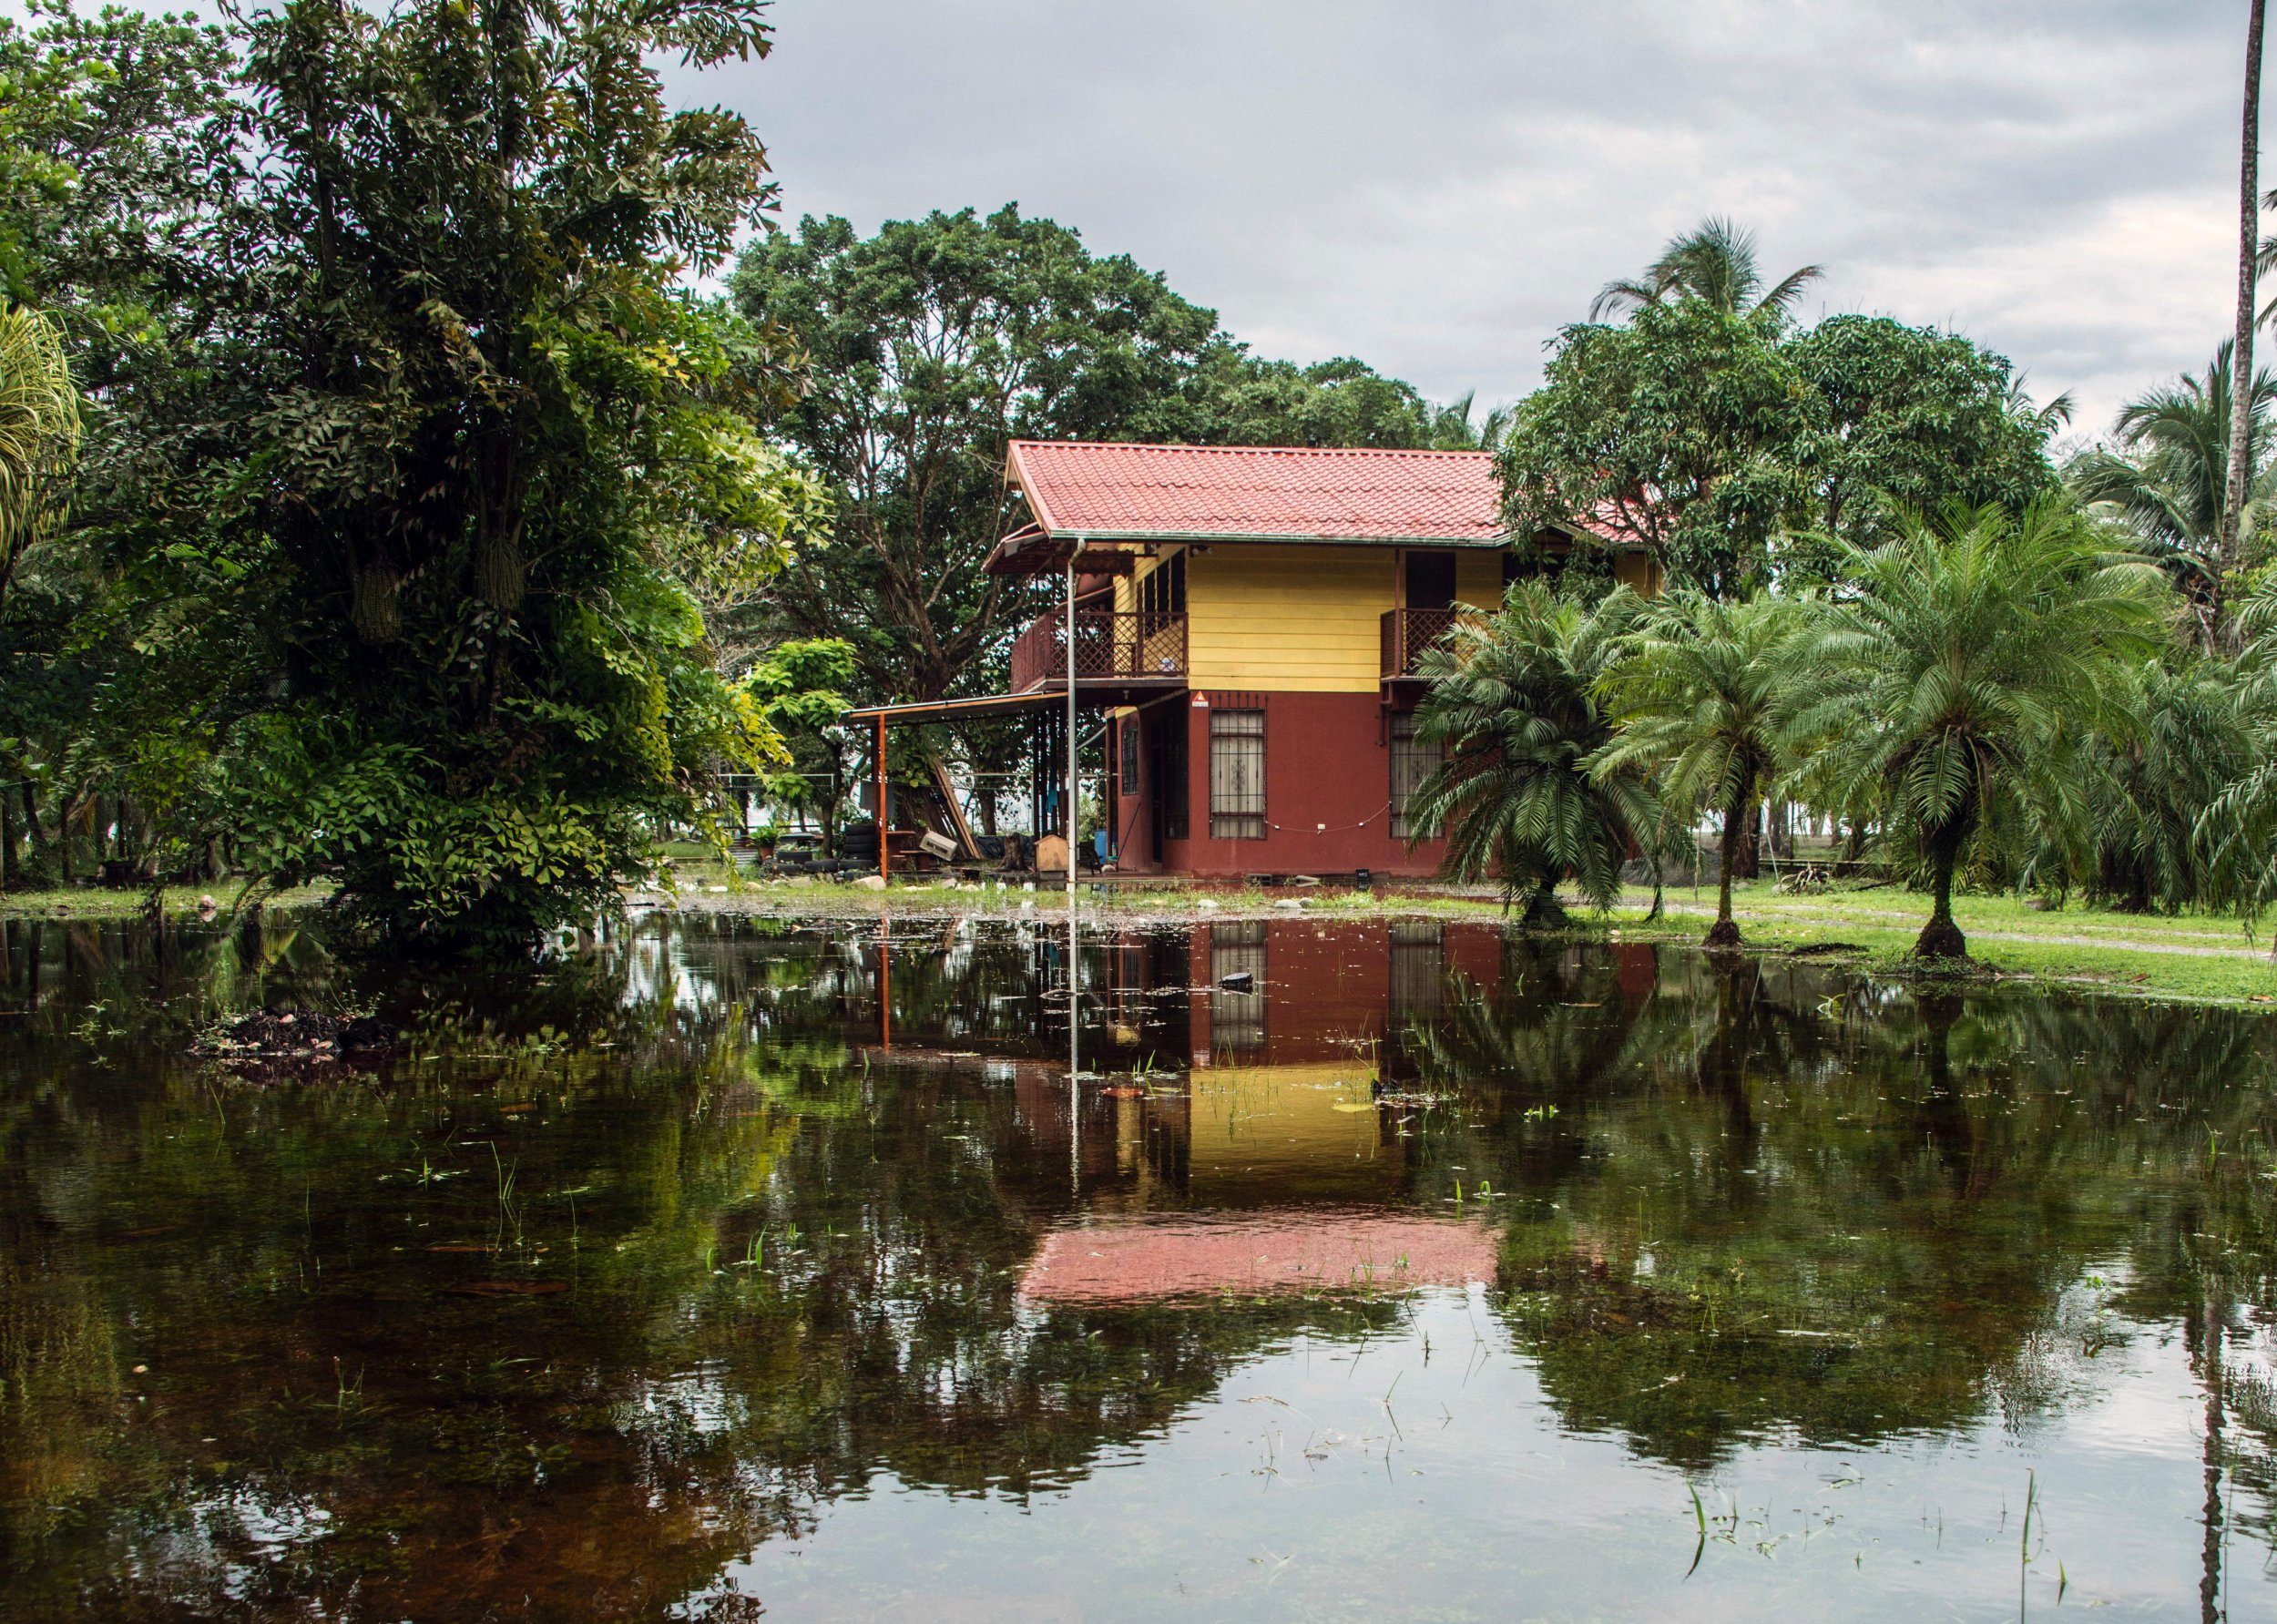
1424, 1273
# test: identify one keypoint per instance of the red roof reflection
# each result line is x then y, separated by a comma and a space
1141, 1259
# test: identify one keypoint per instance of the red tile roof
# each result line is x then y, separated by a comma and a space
1167, 493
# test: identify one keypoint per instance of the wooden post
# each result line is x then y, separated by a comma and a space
882, 873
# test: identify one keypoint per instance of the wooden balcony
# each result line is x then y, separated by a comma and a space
1113, 650
1406, 634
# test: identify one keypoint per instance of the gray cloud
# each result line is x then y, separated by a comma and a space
1437, 186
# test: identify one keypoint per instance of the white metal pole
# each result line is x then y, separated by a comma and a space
1070, 630
1075, 1052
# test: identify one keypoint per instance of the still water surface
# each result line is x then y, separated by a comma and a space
1364, 1270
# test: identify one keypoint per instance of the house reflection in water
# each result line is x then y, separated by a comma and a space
1244, 1121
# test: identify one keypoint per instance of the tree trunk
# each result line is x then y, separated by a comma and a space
1941, 938
2242, 345
1748, 859
10, 872
1725, 933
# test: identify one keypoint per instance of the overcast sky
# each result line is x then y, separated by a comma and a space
1435, 186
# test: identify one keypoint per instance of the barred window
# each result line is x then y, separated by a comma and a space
1412, 760
1237, 775
1418, 964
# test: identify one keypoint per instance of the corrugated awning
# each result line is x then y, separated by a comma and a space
987, 704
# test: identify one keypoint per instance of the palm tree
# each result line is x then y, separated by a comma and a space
2238, 827
2168, 484
2146, 795
1450, 428
1714, 261
2238, 464
39, 432
1513, 708
1699, 694
1958, 672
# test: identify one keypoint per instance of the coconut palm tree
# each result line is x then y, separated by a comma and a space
1959, 672
2239, 826
1451, 428
1700, 697
39, 432
2167, 482
1513, 708
1714, 261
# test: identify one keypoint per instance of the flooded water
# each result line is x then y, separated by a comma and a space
1362, 1271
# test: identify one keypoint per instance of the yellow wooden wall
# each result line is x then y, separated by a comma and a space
1478, 579
1638, 570
1304, 619
1308, 620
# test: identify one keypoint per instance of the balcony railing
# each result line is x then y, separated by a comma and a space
1136, 646
1407, 633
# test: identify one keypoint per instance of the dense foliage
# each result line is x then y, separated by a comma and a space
937, 341
1737, 450
404, 483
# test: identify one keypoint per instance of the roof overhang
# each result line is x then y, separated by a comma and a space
987, 704
1031, 551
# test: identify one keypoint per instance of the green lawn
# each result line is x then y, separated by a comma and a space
105, 902
2194, 956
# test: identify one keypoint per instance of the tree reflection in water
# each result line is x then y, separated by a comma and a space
629, 1262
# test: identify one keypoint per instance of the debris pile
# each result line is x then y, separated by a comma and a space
271, 1037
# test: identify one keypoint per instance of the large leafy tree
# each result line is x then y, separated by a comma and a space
1674, 431
935, 342
1956, 677
1514, 710
1700, 695
407, 454
1706, 428
123, 167
1906, 419
490, 414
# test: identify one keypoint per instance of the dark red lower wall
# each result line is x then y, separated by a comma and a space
1327, 791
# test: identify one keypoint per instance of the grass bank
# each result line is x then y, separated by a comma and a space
111, 901
2191, 957
2197, 958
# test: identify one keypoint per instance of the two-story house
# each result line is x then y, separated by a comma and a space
1249, 620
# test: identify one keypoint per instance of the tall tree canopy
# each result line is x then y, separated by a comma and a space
1675, 431
934, 343
1709, 430
1904, 419
428, 438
